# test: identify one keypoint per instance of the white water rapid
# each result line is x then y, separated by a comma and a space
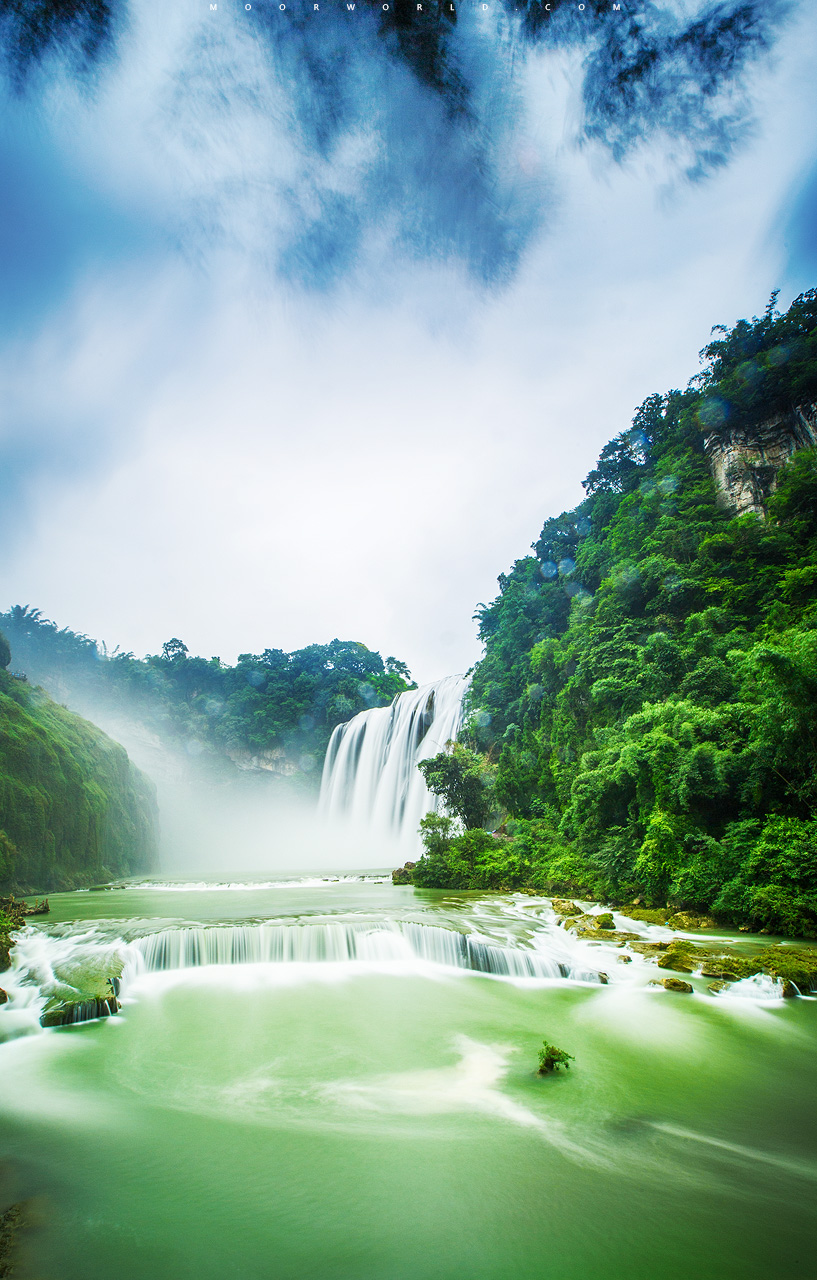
370, 775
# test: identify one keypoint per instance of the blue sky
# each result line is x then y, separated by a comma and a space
294, 346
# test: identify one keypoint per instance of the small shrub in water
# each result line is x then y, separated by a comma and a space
551, 1058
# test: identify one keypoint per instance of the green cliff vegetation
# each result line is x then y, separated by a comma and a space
73, 809
287, 703
642, 720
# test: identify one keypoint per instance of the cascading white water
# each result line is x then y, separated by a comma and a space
370, 774
56, 968
192, 948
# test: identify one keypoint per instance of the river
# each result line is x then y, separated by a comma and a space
378, 1115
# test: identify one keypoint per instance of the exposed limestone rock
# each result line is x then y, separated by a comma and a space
746, 462
676, 984
402, 875
274, 760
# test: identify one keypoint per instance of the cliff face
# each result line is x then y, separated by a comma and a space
73, 809
746, 463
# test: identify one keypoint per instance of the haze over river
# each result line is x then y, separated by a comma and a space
352, 1092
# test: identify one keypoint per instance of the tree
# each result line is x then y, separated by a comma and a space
463, 781
173, 650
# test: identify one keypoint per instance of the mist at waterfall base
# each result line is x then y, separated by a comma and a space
216, 817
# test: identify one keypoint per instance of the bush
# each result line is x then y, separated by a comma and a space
551, 1058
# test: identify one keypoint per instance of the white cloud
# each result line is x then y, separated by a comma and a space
257, 470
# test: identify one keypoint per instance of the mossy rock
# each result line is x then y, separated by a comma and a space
607, 935
683, 956
62, 1013
797, 965
649, 915
717, 987
648, 948
85, 987
605, 921
685, 920
564, 907
4, 995
91, 976
677, 984
716, 969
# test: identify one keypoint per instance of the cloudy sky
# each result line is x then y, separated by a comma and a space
305, 329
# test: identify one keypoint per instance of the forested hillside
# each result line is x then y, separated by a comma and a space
645, 713
282, 704
73, 809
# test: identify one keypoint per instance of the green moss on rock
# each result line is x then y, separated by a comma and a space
564, 907
649, 915
683, 956
686, 921
797, 965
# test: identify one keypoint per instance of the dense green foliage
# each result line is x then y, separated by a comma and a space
649, 681
272, 701
463, 781
73, 810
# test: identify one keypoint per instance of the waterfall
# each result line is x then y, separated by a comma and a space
370, 774
391, 940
